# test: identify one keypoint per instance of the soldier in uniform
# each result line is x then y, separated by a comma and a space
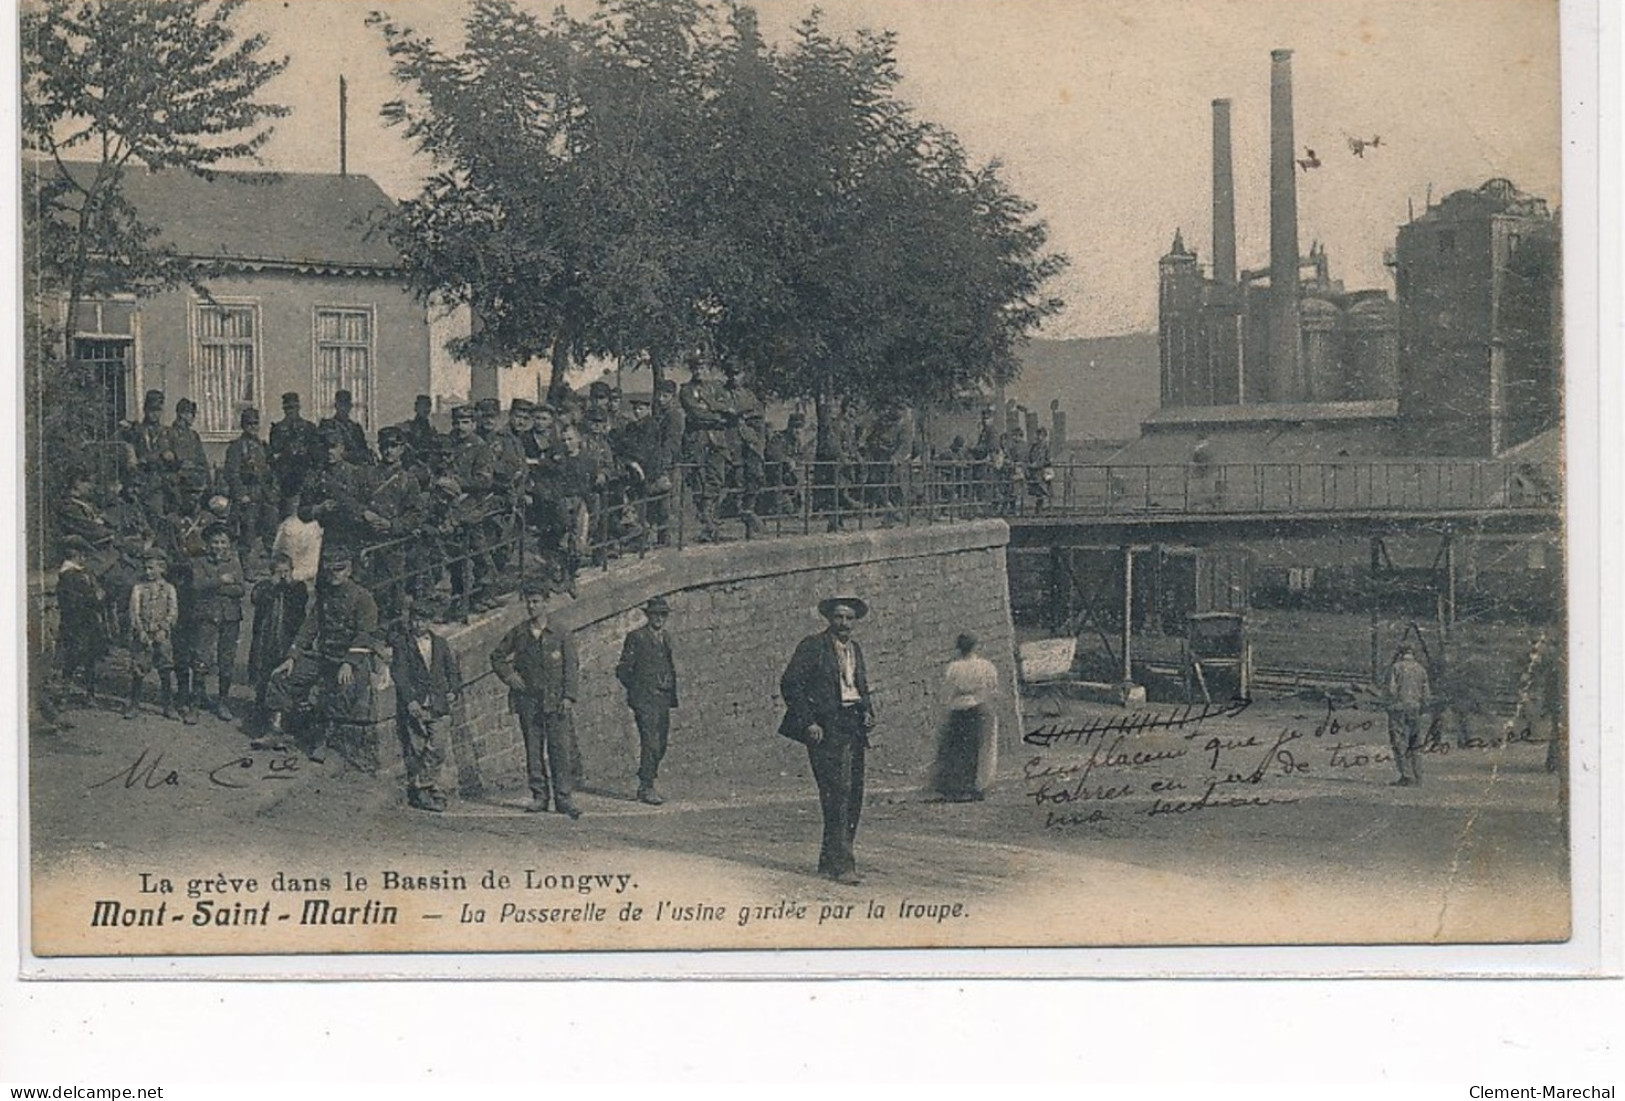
331, 656
510, 475
337, 492
185, 463
468, 460
356, 450
296, 450
423, 439
705, 444
540, 666
250, 487
779, 460
145, 441
394, 514
746, 437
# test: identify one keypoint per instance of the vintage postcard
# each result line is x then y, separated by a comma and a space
658, 475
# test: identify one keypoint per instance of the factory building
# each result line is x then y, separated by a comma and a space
1480, 294
1285, 363
1288, 333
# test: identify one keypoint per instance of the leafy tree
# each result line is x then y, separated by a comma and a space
656, 177
111, 87
119, 85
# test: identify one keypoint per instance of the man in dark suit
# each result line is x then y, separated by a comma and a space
543, 674
649, 675
427, 684
828, 709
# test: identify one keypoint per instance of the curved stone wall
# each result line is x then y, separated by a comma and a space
738, 610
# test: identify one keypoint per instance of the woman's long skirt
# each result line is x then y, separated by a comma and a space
959, 749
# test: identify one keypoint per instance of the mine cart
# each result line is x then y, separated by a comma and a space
1218, 657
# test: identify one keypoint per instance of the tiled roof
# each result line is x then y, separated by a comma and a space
306, 220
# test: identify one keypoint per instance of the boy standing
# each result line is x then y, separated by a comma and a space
217, 592
427, 684
154, 608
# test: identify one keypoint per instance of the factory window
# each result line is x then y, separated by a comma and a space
1447, 241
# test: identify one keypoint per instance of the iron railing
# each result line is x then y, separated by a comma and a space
480, 557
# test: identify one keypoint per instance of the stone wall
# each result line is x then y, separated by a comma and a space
738, 610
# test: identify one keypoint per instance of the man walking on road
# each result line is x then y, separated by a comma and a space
828, 709
1408, 695
649, 675
543, 674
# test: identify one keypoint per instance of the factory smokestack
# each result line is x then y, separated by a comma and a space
1285, 342
1224, 198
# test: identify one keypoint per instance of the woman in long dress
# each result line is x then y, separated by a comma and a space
971, 682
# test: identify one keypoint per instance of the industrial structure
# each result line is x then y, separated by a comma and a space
1283, 363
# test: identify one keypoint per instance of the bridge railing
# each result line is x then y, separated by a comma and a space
1344, 486
475, 556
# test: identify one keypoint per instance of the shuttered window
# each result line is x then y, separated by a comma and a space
225, 363
344, 338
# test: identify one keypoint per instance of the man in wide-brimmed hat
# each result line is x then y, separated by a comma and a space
649, 674
828, 709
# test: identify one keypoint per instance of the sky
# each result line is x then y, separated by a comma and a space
1100, 112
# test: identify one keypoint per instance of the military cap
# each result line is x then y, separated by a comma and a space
290, 398
186, 405
488, 405
248, 416
343, 397
826, 608
600, 388
796, 420
153, 399
155, 555
522, 405
535, 586
462, 411
657, 606
216, 529
390, 436
667, 386
335, 555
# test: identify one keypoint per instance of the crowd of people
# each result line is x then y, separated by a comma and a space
167, 555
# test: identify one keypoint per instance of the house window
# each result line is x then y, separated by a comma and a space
344, 358
225, 364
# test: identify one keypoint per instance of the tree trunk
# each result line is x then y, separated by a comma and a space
556, 383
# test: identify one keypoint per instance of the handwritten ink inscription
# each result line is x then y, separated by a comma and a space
1181, 762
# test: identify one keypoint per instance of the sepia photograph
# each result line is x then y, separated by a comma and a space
724, 475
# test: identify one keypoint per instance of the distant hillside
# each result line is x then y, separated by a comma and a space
1106, 384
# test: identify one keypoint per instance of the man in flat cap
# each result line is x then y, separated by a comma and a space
354, 436
649, 675
332, 653
540, 666
828, 709
250, 486
296, 450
